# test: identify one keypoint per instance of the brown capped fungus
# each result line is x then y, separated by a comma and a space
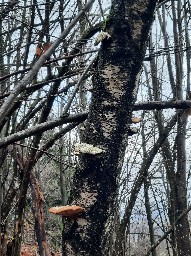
68, 211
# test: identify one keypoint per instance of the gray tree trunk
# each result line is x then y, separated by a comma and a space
182, 231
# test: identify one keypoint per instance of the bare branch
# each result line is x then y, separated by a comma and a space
28, 78
178, 104
167, 232
7, 9
41, 128
139, 181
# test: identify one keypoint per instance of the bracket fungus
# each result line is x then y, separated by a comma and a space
68, 211
101, 37
85, 148
136, 120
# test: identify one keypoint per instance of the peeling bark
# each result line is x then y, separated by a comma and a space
37, 208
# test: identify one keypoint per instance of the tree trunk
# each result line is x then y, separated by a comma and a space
95, 182
37, 209
182, 227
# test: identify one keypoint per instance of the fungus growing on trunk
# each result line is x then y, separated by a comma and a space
101, 37
136, 120
85, 148
68, 211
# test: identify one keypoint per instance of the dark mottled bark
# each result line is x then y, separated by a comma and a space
117, 67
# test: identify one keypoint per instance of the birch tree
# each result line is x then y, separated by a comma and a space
114, 90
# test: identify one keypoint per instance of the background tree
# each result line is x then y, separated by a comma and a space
161, 82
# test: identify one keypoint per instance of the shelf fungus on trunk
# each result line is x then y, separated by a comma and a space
101, 37
68, 211
136, 120
85, 148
